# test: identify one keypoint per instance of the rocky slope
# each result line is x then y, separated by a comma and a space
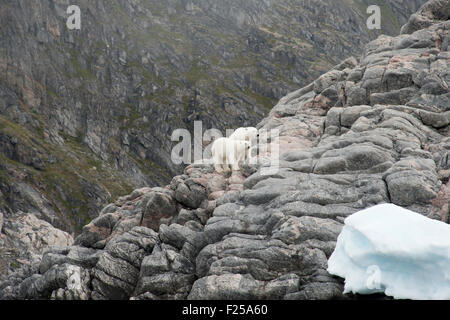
23, 239
86, 116
366, 132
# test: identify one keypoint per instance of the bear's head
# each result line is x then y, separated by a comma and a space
251, 134
247, 146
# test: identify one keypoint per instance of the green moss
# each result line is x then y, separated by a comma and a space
52, 93
178, 41
240, 62
14, 265
150, 168
79, 69
14, 130
98, 47
196, 73
129, 117
263, 101
72, 171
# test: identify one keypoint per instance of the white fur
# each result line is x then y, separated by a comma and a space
227, 152
245, 134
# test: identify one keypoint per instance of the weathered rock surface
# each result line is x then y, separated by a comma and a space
427, 15
367, 132
23, 240
86, 115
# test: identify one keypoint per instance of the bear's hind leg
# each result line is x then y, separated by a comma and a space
226, 167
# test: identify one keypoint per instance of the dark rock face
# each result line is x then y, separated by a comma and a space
86, 116
255, 236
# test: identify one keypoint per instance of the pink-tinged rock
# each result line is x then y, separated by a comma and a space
288, 143
210, 206
236, 178
236, 187
216, 183
440, 204
216, 195
201, 181
318, 106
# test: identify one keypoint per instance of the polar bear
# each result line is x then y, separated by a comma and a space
227, 152
245, 134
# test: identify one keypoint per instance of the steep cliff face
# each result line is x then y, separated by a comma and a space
87, 115
366, 132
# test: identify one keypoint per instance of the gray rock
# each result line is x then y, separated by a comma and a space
72, 279
436, 120
432, 10
325, 81
297, 230
401, 96
257, 236
226, 287
412, 181
351, 114
190, 194
159, 206
356, 96
78, 256
172, 285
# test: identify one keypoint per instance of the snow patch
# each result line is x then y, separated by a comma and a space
392, 250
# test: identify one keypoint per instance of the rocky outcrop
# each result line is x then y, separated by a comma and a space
86, 116
428, 14
369, 131
23, 240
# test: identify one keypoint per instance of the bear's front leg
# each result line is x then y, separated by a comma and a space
225, 167
235, 166
219, 168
